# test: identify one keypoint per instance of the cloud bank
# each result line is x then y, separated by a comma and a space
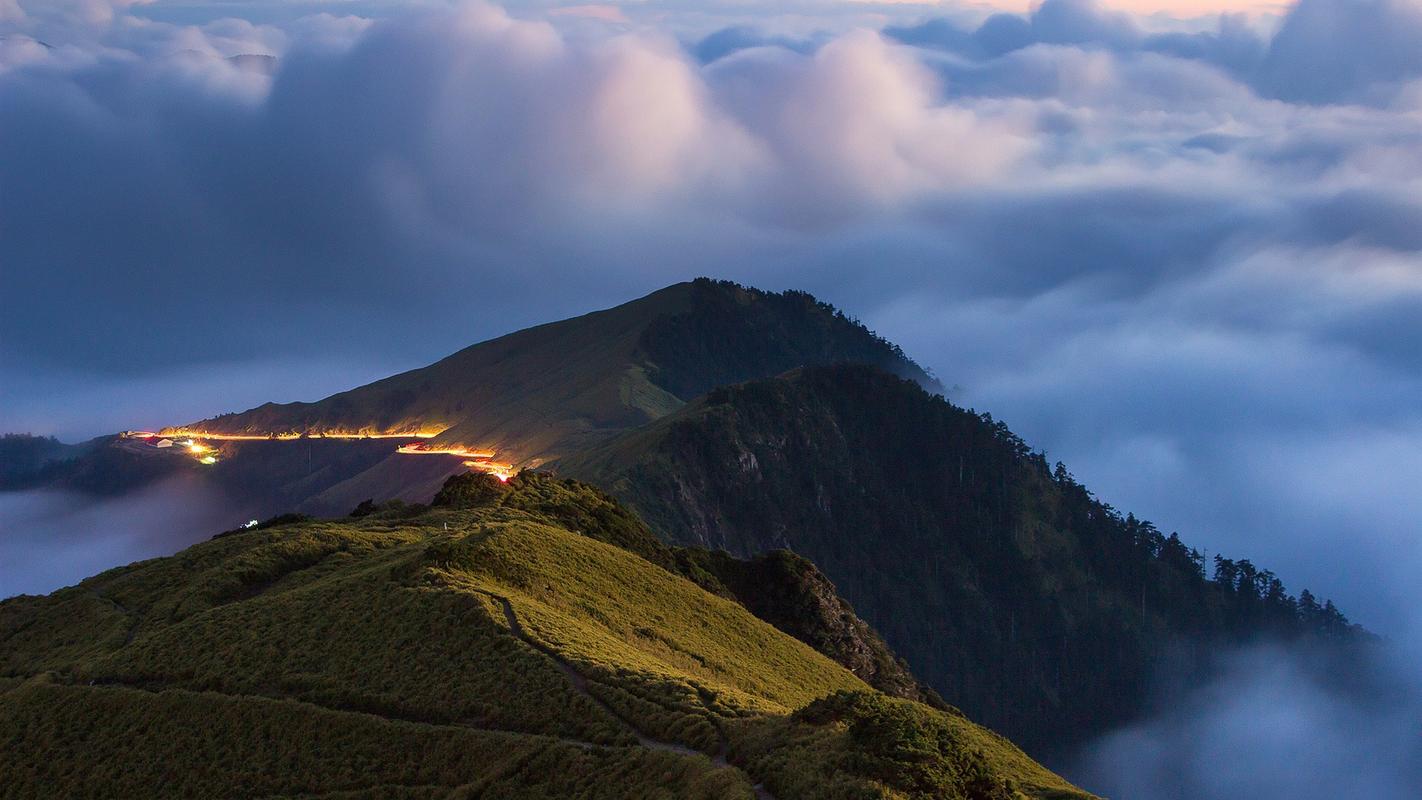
50, 539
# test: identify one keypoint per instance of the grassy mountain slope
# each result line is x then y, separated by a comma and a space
1005, 584
779, 587
548, 390
482, 648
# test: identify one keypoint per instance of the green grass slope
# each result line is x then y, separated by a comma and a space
485, 648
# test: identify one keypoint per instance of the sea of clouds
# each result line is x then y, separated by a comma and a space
1183, 256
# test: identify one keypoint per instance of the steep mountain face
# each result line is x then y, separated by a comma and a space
545, 391
792, 594
1005, 584
496, 645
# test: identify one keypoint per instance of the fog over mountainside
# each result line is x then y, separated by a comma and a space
1276, 722
52, 538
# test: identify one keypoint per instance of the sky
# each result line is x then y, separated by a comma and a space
1176, 245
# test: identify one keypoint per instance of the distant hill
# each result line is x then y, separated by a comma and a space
1004, 583
546, 391
512, 642
27, 460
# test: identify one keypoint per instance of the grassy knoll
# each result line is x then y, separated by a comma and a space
374, 656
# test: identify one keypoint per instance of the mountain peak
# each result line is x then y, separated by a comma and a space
535, 394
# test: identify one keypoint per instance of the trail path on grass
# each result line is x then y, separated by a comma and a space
580, 683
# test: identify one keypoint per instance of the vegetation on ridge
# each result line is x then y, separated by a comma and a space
780, 587
732, 333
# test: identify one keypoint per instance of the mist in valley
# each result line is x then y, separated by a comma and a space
1276, 721
53, 538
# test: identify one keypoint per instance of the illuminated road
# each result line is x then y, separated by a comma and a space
186, 433
192, 442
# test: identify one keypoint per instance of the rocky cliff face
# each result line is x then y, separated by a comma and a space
789, 592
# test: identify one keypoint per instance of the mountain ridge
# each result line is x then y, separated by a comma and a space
534, 394
863, 514
518, 400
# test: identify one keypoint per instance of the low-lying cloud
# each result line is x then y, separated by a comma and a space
1325, 51
1276, 722
50, 538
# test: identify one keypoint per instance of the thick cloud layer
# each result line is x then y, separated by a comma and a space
435, 167
1325, 51
1183, 258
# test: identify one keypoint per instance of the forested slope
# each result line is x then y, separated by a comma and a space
1004, 583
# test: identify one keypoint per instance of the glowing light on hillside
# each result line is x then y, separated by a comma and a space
420, 448
481, 460
282, 437
502, 471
